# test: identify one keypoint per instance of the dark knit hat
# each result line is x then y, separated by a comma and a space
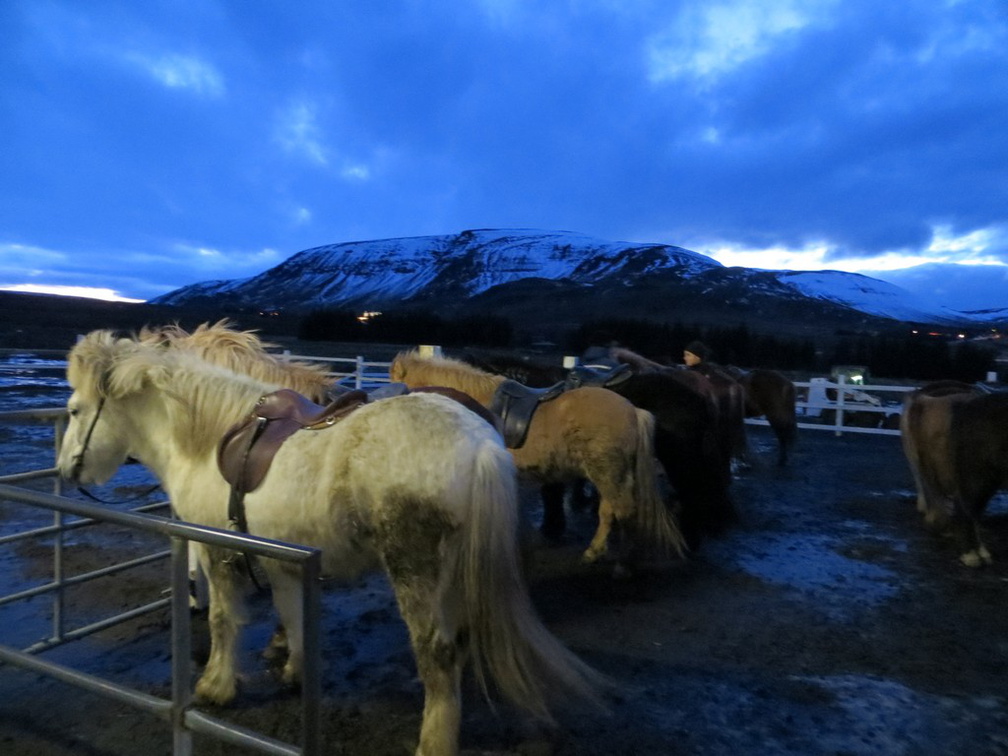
698, 348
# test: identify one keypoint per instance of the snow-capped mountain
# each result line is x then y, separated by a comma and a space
559, 274
390, 271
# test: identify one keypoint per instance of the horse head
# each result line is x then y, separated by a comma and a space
93, 446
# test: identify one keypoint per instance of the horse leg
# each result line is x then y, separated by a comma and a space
783, 433
554, 519
616, 508
969, 509
432, 613
286, 586
600, 541
218, 683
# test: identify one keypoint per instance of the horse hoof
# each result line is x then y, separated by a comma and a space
591, 556
217, 695
985, 556
291, 677
972, 559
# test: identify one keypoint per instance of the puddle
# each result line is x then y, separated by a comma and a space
811, 566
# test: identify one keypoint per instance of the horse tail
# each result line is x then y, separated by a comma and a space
653, 518
509, 643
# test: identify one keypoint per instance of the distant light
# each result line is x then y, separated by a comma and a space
88, 292
364, 317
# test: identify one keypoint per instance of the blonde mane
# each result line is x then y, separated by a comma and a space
243, 352
205, 399
445, 371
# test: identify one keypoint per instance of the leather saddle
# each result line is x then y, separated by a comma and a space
515, 403
247, 449
604, 377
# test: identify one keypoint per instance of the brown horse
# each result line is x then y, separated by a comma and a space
686, 442
715, 383
585, 433
770, 394
959, 441
924, 423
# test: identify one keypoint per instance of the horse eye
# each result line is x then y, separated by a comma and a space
73, 411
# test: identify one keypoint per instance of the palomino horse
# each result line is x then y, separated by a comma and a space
415, 484
956, 439
685, 439
770, 394
585, 433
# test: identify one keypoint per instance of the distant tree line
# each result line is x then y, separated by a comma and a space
663, 342
911, 356
406, 327
916, 356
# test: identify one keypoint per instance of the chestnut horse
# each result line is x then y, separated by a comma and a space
956, 441
585, 433
685, 443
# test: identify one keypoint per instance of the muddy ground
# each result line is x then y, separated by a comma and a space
827, 622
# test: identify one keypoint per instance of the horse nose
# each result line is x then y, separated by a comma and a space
70, 470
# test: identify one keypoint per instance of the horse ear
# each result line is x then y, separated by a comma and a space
90, 362
136, 365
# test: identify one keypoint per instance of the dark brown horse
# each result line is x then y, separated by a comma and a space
686, 441
715, 383
957, 437
770, 394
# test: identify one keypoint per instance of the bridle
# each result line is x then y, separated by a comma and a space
79, 459
79, 465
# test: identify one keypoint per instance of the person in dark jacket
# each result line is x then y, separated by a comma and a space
695, 353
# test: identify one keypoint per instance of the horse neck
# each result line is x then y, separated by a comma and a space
264, 367
199, 408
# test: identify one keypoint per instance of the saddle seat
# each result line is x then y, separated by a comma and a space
515, 403
247, 449
597, 375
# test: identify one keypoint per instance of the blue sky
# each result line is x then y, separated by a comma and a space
151, 145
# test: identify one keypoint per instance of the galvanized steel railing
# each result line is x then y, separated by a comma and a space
177, 711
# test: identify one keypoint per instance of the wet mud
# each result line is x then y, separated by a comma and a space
828, 621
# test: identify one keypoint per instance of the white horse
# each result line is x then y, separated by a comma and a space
417, 485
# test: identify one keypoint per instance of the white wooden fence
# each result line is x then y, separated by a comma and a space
816, 411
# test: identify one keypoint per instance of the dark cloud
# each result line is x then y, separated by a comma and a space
859, 125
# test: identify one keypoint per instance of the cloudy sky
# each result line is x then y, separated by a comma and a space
145, 146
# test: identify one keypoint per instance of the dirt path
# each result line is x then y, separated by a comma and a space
828, 622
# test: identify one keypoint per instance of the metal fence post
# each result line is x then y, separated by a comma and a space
311, 675
181, 642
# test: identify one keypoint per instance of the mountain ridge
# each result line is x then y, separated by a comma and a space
499, 270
